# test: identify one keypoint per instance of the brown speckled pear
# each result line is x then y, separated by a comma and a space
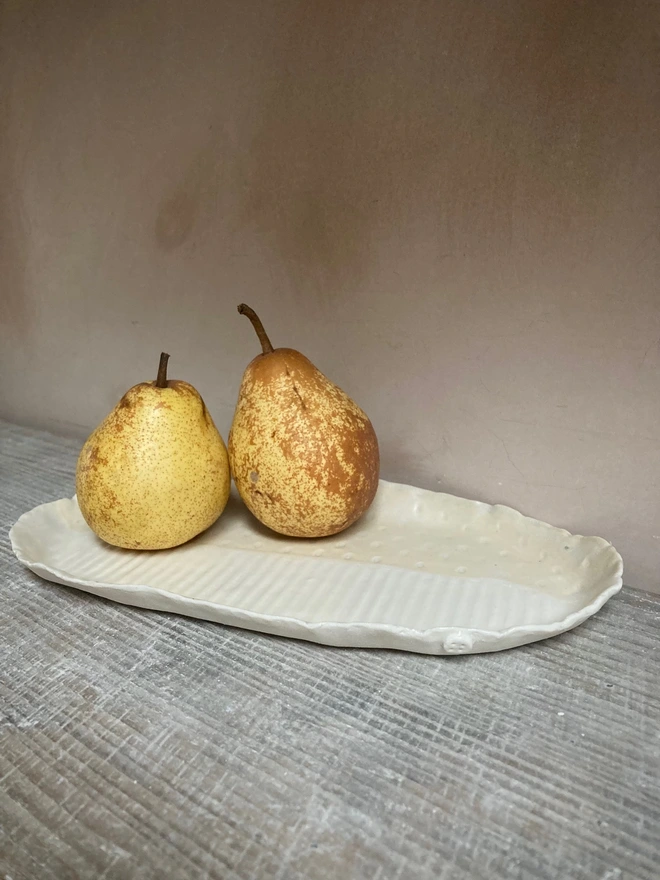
155, 473
303, 455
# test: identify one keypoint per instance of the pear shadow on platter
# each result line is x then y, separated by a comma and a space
237, 513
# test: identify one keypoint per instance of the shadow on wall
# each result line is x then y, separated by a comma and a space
370, 116
16, 308
367, 116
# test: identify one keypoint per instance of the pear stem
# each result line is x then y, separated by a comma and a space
161, 380
258, 326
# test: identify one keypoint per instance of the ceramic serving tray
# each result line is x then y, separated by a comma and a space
422, 571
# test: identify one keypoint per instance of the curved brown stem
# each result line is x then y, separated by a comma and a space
161, 380
258, 326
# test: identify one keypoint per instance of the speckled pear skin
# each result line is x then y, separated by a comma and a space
155, 473
303, 455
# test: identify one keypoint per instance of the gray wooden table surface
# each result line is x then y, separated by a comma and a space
139, 744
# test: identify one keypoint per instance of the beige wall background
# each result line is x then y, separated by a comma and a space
451, 207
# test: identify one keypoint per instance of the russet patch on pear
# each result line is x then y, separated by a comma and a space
303, 455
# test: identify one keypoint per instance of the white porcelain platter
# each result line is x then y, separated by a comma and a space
422, 571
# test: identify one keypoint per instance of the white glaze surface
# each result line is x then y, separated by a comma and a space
422, 571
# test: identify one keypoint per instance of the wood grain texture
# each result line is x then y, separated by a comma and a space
138, 744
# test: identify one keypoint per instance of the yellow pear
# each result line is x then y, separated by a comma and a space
303, 455
155, 472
